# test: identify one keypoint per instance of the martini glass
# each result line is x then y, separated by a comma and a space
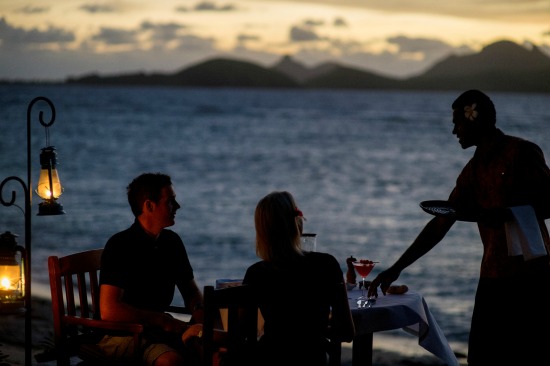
363, 268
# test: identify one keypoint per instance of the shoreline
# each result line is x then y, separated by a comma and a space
390, 348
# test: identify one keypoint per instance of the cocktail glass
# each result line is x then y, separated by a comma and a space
363, 268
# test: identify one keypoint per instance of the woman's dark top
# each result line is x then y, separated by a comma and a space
295, 307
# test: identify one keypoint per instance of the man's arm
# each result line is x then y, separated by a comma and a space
193, 299
114, 309
434, 231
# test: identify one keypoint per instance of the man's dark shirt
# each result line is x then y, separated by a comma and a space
146, 269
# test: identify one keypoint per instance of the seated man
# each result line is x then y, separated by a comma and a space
140, 268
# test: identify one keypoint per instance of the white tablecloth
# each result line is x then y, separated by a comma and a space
409, 312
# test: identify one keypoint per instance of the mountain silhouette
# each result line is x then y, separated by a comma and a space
217, 72
231, 73
501, 66
297, 71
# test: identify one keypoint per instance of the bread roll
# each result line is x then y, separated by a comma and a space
397, 289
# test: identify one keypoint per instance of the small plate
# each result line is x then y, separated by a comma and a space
227, 282
445, 209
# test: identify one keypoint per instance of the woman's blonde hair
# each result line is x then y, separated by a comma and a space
278, 222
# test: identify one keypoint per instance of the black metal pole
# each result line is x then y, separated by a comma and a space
27, 213
28, 204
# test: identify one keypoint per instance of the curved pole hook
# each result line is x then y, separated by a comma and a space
13, 193
41, 115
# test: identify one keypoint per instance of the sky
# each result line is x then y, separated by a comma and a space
52, 40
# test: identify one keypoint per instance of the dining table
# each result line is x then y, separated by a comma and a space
409, 312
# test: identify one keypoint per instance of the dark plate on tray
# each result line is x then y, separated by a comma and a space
445, 209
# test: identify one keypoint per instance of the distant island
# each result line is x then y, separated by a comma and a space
502, 66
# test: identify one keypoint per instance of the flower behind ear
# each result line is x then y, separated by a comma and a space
470, 112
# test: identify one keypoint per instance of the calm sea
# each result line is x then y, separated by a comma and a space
357, 162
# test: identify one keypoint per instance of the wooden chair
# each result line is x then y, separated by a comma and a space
338, 291
242, 333
74, 284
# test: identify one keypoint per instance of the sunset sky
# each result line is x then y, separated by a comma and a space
51, 40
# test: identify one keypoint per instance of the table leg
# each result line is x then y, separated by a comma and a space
362, 350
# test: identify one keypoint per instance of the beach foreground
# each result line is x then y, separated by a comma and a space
389, 349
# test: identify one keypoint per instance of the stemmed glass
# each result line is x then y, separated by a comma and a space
363, 268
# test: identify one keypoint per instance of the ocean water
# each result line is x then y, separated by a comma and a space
357, 162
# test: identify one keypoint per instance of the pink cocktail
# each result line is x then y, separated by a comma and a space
363, 268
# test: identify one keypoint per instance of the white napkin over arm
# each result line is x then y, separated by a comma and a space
523, 233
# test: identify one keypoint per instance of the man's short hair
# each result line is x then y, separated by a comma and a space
147, 186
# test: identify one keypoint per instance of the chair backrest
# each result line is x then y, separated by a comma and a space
242, 324
338, 294
74, 285
241, 303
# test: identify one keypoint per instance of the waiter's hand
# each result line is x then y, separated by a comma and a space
384, 280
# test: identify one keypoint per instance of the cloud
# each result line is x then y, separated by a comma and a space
313, 23
205, 6
514, 11
162, 31
28, 9
115, 36
306, 32
159, 44
261, 57
48, 65
420, 48
340, 22
13, 36
383, 63
402, 57
210, 6
194, 43
241, 38
398, 56
98, 8
302, 34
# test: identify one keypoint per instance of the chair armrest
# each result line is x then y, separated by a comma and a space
104, 324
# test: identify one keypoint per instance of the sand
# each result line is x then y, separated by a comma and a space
393, 348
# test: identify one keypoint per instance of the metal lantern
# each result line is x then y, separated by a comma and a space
12, 274
49, 186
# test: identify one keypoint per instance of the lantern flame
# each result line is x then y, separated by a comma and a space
5, 283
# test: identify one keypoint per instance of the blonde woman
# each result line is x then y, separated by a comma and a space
298, 312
